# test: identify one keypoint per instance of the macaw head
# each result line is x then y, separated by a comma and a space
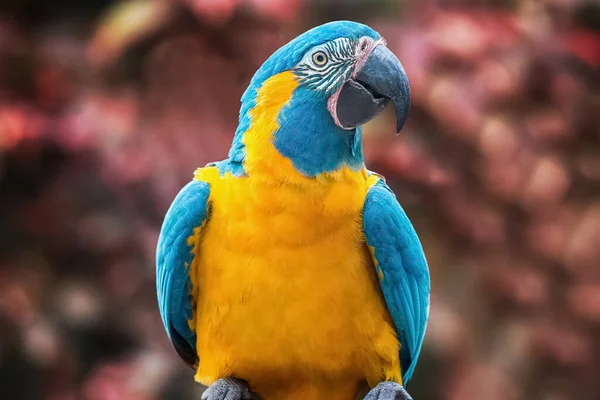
311, 97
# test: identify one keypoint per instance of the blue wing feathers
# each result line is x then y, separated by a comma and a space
173, 259
405, 284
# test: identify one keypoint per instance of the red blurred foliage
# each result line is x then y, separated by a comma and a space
498, 167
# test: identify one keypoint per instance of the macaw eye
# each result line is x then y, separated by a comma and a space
319, 58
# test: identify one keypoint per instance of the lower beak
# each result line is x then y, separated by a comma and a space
380, 80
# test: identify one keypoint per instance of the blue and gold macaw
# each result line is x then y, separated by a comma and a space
289, 269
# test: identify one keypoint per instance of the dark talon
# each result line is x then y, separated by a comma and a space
388, 391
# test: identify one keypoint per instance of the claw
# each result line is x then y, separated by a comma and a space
227, 389
388, 391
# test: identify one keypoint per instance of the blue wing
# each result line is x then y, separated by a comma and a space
402, 269
173, 259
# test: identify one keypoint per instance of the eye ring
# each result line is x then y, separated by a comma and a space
319, 58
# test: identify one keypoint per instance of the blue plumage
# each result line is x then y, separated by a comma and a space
285, 59
235, 168
309, 137
404, 274
173, 258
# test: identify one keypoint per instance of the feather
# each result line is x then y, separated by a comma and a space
174, 256
404, 279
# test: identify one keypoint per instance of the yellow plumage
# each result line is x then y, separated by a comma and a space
286, 294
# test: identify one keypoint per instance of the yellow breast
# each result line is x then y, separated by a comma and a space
287, 296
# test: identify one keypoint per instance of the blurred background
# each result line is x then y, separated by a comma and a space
107, 107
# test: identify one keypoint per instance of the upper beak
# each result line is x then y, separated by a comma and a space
380, 80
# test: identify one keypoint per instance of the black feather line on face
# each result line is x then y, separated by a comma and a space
341, 59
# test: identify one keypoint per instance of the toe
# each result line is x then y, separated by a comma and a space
373, 394
388, 391
206, 393
226, 389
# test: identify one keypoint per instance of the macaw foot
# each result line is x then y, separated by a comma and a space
227, 389
388, 391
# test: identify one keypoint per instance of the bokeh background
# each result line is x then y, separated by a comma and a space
107, 107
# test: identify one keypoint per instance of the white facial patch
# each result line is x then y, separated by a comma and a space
326, 67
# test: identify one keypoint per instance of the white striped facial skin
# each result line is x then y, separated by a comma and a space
328, 66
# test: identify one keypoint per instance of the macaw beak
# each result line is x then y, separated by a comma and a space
380, 80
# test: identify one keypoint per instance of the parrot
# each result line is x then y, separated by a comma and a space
289, 270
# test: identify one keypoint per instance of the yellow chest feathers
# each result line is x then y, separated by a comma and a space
284, 283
